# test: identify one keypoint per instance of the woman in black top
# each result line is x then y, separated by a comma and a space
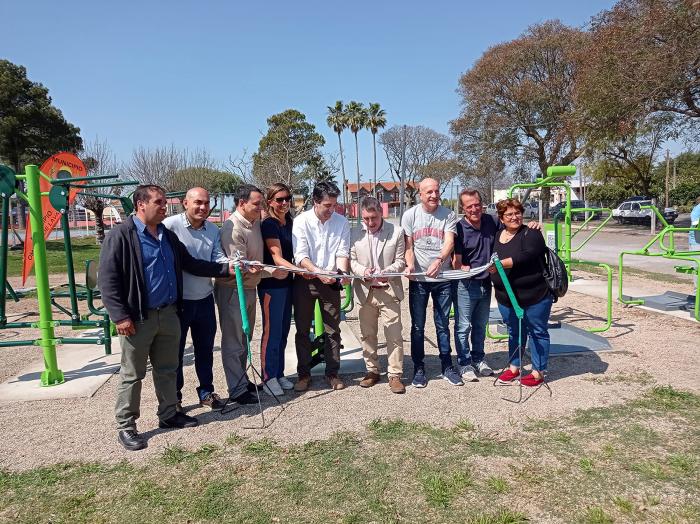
522, 252
276, 295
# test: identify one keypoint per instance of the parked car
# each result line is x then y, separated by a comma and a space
491, 210
575, 215
631, 212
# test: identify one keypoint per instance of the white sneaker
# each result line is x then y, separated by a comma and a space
285, 383
468, 373
272, 387
484, 369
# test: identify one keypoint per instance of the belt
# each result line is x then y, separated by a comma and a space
163, 306
378, 287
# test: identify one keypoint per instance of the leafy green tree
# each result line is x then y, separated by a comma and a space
376, 120
338, 122
644, 58
521, 95
31, 127
356, 116
289, 146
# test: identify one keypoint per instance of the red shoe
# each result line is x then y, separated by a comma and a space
507, 376
530, 381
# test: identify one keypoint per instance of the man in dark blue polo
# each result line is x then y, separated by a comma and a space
472, 296
140, 280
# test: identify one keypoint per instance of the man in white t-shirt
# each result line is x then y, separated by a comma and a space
430, 231
321, 241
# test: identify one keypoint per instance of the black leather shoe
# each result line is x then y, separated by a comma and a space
251, 387
179, 420
131, 440
245, 398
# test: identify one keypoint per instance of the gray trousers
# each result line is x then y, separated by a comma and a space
234, 346
157, 338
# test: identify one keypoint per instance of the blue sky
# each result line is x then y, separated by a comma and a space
208, 74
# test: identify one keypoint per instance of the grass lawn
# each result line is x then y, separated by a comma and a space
629, 463
84, 248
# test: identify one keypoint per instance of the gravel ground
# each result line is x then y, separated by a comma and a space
647, 348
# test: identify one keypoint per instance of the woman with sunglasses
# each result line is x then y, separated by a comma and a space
276, 295
522, 252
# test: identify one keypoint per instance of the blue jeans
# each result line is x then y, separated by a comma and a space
472, 303
276, 307
535, 321
199, 318
418, 294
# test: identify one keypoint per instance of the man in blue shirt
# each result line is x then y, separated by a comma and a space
140, 280
472, 296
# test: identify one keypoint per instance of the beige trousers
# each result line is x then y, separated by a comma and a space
381, 305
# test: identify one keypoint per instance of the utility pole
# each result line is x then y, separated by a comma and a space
668, 170
675, 178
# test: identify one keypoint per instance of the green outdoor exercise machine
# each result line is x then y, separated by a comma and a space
564, 235
666, 249
58, 197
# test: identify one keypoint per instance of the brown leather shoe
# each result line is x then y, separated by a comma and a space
370, 380
335, 382
396, 385
302, 384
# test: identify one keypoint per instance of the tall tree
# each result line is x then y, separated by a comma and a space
31, 127
338, 122
417, 147
286, 150
376, 120
521, 95
644, 58
356, 115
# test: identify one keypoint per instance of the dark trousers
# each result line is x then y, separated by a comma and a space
276, 307
418, 295
305, 294
199, 318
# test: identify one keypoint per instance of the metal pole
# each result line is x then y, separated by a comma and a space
668, 169
3, 254
75, 314
51, 374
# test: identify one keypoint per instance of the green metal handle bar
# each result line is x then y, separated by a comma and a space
318, 320
672, 230
658, 214
349, 303
99, 195
110, 184
244, 313
593, 233
609, 271
70, 180
519, 312
544, 183
620, 296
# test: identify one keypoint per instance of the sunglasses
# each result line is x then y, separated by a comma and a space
279, 200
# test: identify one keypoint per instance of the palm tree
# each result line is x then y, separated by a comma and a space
356, 115
337, 120
376, 119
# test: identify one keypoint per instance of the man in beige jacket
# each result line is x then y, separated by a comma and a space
379, 248
240, 234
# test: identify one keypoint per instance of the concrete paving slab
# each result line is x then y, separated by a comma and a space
598, 289
351, 360
564, 338
85, 367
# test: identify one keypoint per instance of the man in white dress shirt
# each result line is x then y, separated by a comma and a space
321, 241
